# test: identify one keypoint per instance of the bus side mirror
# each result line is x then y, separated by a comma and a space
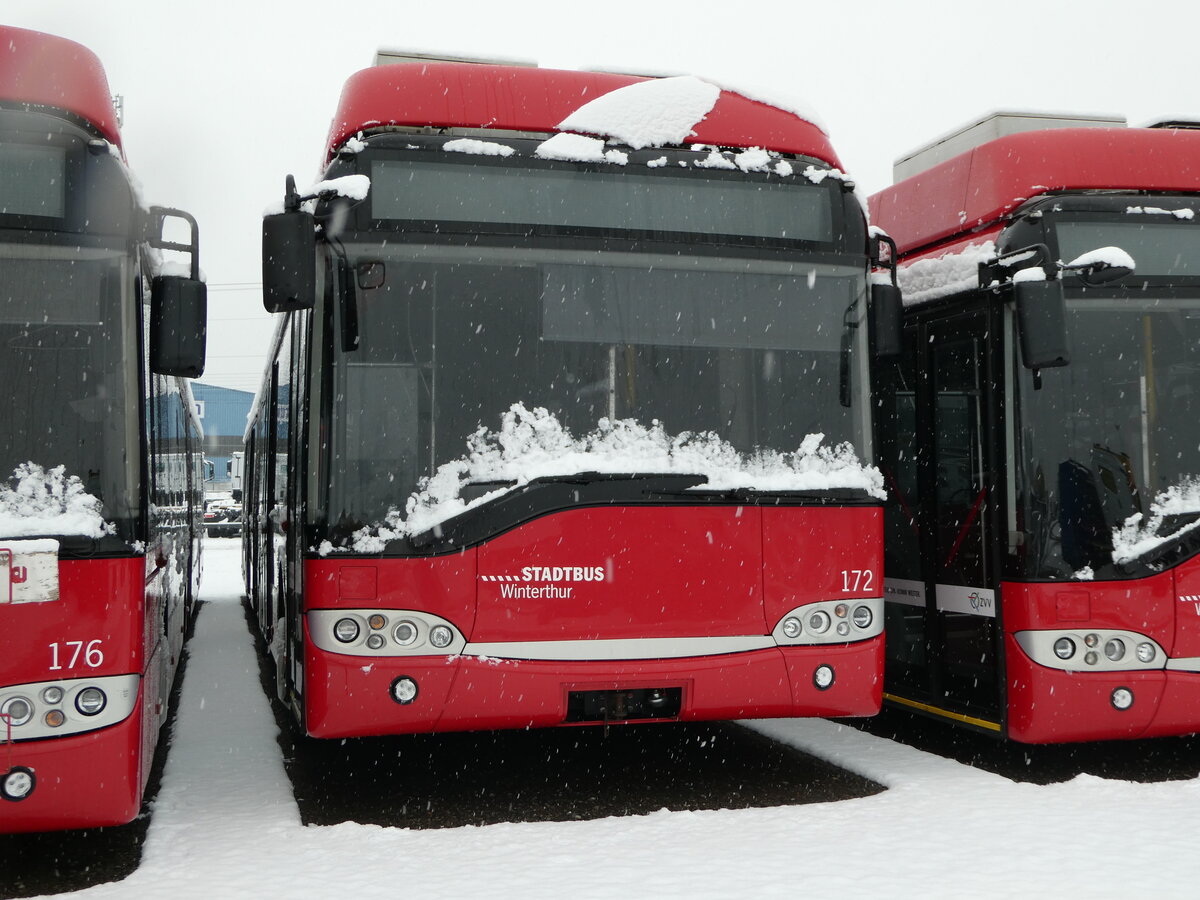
289, 242
1042, 323
178, 325
887, 325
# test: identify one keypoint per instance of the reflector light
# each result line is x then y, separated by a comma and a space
1122, 698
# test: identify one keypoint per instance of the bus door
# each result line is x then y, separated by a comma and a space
962, 580
938, 415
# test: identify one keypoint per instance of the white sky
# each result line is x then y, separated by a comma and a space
225, 98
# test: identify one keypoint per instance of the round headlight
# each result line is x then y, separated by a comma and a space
345, 630
441, 636
376, 641
1064, 648
53, 695
1091, 640
54, 718
841, 610
1122, 698
405, 633
818, 622
90, 701
1114, 649
863, 617
791, 627
16, 711
18, 783
1145, 653
843, 628
1091, 657
377, 621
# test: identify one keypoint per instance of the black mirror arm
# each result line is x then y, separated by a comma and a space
158, 219
1001, 270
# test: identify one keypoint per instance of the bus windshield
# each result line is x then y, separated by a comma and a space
68, 368
1101, 437
452, 336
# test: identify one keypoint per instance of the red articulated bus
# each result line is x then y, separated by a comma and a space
1039, 434
482, 256
98, 522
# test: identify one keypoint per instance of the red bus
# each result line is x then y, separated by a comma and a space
493, 249
1039, 436
98, 521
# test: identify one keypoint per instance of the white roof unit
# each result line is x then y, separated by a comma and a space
991, 126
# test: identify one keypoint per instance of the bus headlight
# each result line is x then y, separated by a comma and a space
441, 636
792, 627
818, 622
90, 701
404, 633
863, 617
1122, 698
18, 783
1114, 649
16, 711
346, 630
53, 695
1064, 648
1145, 653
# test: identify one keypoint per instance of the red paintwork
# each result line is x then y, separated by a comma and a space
1048, 705
985, 184
103, 599
46, 70
527, 99
349, 696
91, 593
713, 577
83, 781
849, 537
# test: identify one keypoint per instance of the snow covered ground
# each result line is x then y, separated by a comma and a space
225, 824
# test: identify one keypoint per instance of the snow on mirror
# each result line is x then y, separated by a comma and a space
533, 444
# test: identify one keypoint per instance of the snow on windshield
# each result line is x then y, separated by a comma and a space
651, 113
534, 444
39, 501
1139, 535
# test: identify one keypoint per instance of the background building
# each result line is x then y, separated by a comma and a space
223, 414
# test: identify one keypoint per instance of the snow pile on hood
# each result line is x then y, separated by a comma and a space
931, 279
1139, 536
651, 113
533, 444
43, 502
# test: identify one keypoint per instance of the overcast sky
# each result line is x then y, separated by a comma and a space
222, 99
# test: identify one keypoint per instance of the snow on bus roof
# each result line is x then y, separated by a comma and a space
512, 98
46, 70
978, 188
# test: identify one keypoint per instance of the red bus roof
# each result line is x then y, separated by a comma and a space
979, 187
514, 98
46, 70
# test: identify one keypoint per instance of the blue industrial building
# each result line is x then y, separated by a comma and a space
223, 413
